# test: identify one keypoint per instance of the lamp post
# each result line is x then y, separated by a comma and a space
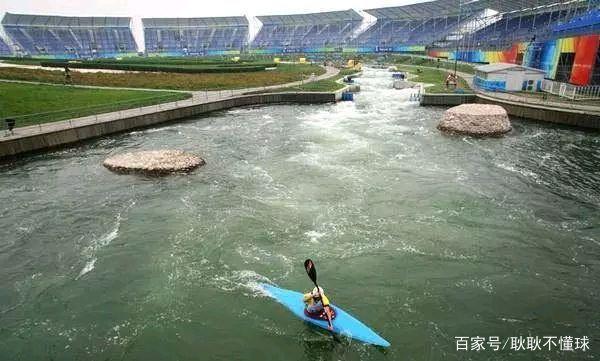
458, 40
10, 125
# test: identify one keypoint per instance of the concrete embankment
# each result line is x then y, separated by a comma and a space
553, 112
73, 132
447, 99
572, 117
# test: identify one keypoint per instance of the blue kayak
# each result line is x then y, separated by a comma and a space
343, 324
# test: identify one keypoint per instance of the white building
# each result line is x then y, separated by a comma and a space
508, 77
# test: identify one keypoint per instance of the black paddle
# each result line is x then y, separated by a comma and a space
309, 266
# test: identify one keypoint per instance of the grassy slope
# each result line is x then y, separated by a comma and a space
434, 63
21, 101
285, 73
435, 77
325, 85
22, 61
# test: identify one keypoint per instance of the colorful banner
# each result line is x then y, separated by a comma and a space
265, 51
549, 58
358, 50
439, 54
192, 53
71, 56
585, 59
310, 50
481, 56
409, 49
540, 55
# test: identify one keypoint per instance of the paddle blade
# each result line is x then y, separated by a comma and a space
309, 266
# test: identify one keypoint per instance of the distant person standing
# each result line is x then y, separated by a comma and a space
451, 81
68, 80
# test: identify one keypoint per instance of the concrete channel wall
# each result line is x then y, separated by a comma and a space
74, 134
572, 117
447, 99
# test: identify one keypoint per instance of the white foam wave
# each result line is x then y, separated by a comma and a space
89, 266
252, 254
104, 240
314, 236
246, 281
245, 110
483, 284
523, 172
410, 249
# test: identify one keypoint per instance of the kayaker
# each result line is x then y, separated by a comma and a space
316, 303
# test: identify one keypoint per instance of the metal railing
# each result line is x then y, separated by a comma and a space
531, 99
75, 117
570, 91
33, 119
81, 116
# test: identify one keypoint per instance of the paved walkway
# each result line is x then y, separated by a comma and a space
329, 72
198, 97
92, 86
541, 102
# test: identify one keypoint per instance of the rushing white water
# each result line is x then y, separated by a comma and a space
421, 235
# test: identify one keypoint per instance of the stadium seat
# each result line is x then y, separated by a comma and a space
70, 37
195, 36
319, 32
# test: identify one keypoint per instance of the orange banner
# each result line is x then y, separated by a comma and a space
585, 59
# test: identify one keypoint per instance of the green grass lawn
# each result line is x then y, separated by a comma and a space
435, 77
324, 85
433, 63
21, 61
33, 104
285, 73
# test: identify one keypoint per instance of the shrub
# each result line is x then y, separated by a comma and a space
192, 69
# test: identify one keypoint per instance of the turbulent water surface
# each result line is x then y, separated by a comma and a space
423, 236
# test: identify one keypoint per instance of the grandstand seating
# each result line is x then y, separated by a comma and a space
195, 36
4, 49
69, 37
437, 24
307, 32
432, 22
417, 24
389, 33
516, 27
586, 23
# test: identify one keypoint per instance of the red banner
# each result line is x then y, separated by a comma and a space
585, 58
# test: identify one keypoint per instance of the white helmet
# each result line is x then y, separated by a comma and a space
315, 292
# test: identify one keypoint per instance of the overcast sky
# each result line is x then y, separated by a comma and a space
186, 8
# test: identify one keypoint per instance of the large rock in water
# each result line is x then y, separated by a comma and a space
154, 162
476, 119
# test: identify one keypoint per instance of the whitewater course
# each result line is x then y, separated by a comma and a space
421, 235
